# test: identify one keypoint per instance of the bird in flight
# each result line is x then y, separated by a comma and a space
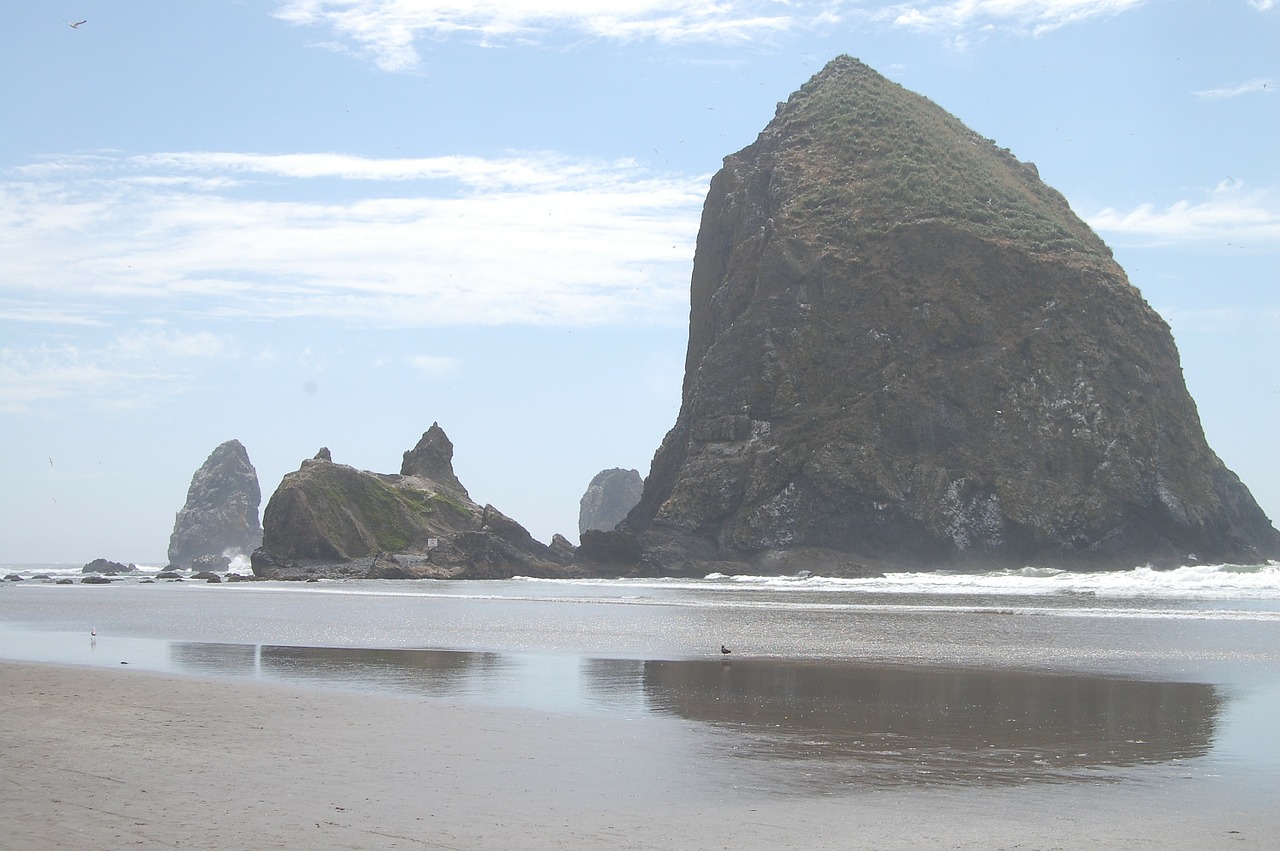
76, 25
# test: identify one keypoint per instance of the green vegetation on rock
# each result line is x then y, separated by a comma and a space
857, 154
906, 350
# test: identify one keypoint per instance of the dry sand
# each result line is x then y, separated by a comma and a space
99, 758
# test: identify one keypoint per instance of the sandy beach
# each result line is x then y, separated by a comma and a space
95, 758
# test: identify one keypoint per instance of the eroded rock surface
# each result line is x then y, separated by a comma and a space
220, 516
609, 498
906, 350
330, 519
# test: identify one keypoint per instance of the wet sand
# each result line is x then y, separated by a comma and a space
99, 758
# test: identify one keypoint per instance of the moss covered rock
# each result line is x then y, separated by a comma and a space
330, 519
906, 350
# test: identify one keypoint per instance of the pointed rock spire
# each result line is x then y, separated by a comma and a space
221, 511
432, 459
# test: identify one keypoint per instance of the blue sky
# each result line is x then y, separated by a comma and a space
334, 222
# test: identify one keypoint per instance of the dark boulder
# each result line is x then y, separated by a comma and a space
110, 568
610, 551
210, 563
560, 550
387, 566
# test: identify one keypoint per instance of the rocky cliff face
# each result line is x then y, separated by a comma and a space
609, 497
905, 349
432, 459
221, 511
332, 519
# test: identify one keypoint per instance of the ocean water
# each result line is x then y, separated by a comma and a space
998, 677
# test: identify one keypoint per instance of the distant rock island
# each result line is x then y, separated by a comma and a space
609, 498
331, 520
905, 350
107, 567
220, 516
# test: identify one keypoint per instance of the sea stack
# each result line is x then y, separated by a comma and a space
905, 350
609, 498
331, 520
220, 515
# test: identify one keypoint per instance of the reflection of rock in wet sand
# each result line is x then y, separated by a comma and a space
811, 723
901, 725
206, 658
429, 671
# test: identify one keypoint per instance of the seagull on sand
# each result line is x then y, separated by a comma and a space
725, 650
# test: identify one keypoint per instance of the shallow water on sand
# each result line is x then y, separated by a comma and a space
987, 680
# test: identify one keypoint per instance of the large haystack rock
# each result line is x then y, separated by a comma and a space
906, 350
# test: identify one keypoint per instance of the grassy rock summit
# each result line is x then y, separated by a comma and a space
906, 350
329, 519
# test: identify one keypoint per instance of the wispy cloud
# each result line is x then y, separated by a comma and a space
388, 30
526, 239
130, 371
1033, 16
542, 170
1232, 90
435, 366
46, 314
1229, 215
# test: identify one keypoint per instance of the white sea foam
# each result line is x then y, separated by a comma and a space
1223, 581
1247, 592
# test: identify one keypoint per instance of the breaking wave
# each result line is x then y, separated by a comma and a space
1198, 581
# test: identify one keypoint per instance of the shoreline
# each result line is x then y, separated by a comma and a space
100, 757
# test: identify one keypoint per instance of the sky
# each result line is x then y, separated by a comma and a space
307, 223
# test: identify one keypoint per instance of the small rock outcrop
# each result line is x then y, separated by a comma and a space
328, 519
221, 512
905, 350
211, 563
107, 567
609, 498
